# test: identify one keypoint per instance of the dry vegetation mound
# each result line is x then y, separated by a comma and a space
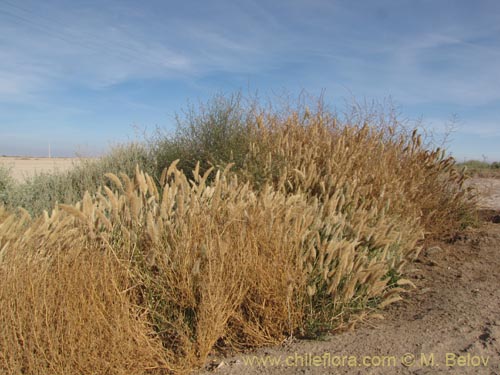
305, 227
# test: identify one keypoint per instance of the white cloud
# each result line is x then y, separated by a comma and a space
101, 47
37, 53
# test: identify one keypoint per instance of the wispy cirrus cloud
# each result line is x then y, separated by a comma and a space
98, 47
433, 58
37, 53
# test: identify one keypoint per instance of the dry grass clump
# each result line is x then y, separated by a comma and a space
312, 152
308, 233
65, 308
203, 265
212, 264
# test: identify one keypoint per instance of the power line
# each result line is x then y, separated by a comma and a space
54, 21
74, 39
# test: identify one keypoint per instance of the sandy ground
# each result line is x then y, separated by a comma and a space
22, 167
489, 192
450, 324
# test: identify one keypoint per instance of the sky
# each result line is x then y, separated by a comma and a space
84, 75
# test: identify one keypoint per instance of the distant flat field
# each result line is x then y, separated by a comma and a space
22, 167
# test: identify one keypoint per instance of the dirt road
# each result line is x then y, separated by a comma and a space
449, 325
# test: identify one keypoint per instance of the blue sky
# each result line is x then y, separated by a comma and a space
81, 75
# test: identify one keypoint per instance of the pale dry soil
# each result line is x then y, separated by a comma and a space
23, 167
452, 317
489, 192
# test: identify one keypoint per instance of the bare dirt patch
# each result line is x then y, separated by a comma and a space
489, 192
23, 167
450, 324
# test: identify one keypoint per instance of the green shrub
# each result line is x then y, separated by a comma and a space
6, 183
481, 168
215, 134
42, 191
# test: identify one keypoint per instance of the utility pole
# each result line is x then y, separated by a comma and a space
50, 156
